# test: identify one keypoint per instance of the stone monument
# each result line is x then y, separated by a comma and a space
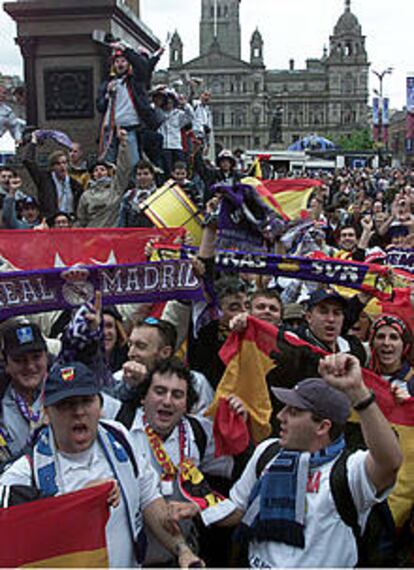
63, 66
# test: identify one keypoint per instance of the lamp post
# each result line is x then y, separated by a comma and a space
379, 93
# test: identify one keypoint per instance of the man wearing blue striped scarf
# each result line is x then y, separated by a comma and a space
285, 505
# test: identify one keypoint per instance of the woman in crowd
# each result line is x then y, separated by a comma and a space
391, 344
115, 338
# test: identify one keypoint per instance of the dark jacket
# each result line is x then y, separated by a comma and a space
46, 189
137, 83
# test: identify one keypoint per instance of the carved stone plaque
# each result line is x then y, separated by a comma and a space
69, 93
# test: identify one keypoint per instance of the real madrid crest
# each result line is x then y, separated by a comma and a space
77, 290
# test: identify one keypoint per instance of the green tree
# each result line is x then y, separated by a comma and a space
357, 140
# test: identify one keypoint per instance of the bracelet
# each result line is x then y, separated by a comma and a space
363, 404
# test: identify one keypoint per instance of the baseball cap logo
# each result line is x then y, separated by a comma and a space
24, 335
67, 374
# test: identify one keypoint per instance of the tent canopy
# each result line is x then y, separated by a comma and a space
312, 142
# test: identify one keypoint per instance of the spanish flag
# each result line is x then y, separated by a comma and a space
247, 359
401, 418
287, 196
67, 531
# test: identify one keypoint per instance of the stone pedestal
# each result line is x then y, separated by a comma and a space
63, 66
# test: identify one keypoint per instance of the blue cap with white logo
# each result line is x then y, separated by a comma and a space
23, 338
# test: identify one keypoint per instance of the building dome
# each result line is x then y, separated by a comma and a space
347, 22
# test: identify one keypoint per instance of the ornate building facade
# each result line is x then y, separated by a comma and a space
255, 107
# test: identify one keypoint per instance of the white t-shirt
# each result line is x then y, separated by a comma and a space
329, 542
75, 470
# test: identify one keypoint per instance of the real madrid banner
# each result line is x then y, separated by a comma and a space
49, 289
364, 276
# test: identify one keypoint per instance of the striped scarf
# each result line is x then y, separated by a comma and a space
276, 509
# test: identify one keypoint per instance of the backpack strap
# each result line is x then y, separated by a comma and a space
271, 451
199, 434
342, 496
126, 413
120, 438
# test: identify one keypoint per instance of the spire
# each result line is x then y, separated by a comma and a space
347, 5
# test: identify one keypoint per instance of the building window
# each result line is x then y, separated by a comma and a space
256, 142
348, 48
348, 84
256, 86
256, 52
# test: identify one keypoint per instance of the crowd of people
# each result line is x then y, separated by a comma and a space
120, 393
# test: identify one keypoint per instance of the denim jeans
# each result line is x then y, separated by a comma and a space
133, 144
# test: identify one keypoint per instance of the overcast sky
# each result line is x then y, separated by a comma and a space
295, 29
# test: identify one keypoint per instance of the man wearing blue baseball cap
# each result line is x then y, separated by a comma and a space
25, 356
325, 316
77, 449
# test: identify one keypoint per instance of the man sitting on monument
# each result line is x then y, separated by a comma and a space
123, 101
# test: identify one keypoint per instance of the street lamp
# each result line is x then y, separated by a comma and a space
379, 93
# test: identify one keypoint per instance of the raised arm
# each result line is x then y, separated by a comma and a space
123, 165
343, 371
29, 161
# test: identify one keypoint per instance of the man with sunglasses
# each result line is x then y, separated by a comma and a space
151, 342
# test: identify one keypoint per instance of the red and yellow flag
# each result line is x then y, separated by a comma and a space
401, 418
65, 531
292, 194
287, 196
247, 360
